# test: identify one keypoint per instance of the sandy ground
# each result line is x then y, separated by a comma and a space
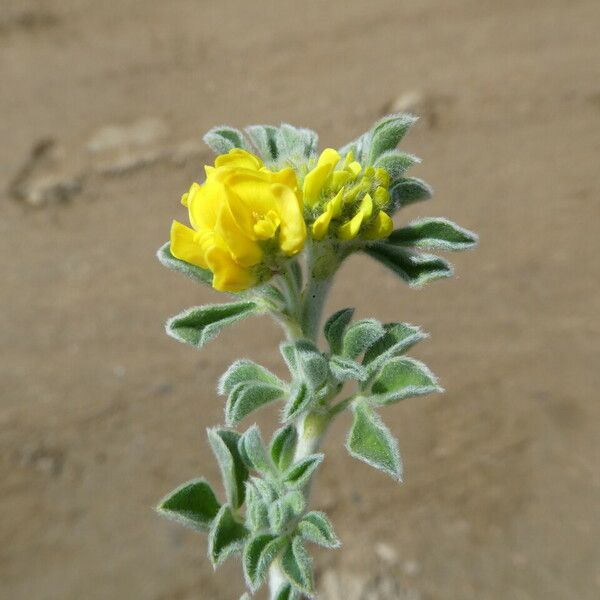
102, 107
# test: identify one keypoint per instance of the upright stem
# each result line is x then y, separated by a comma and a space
321, 264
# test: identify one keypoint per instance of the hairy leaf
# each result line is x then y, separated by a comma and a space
300, 400
317, 528
244, 370
310, 363
199, 325
335, 327
297, 566
192, 271
416, 269
263, 138
387, 133
224, 444
247, 397
193, 504
371, 441
407, 191
259, 553
300, 472
257, 514
292, 142
287, 592
401, 378
360, 335
435, 233
344, 369
226, 536
253, 451
283, 447
398, 338
223, 139
396, 164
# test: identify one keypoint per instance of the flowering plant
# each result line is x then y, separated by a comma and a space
271, 224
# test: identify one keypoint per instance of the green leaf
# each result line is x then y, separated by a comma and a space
199, 325
387, 133
260, 551
360, 335
396, 164
193, 504
253, 451
370, 440
300, 472
257, 514
297, 567
435, 233
300, 400
286, 592
193, 272
401, 378
224, 444
344, 369
407, 191
293, 142
359, 147
317, 528
226, 536
398, 338
247, 397
279, 516
272, 294
306, 362
263, 138
335, 327
223, 139
244, 371
283, 447
416, 269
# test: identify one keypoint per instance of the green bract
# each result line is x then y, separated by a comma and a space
263, 514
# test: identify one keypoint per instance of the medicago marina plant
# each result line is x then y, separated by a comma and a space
270, 225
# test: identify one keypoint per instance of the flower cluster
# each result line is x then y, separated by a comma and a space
347, 199
243, 217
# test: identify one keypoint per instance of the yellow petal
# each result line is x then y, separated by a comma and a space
286, 176
253, 190
354, 168
349, 230
330, 157
185, 246
381, 197
203, 204
383, 176
228, 275
381, 227
339, 178
314, 183
292, 231
266, 227
239, 158
240, 242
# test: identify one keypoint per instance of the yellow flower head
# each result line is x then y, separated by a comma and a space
346, 200
244, 217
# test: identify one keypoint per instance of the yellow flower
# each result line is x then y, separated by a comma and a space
346, 199
244, 217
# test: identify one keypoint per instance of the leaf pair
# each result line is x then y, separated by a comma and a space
273, 144
248, 387
398, 251
195, 505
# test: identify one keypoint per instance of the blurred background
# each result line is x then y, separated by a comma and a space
103, 105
